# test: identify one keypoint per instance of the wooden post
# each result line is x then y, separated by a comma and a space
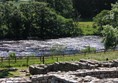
15, 59
57, 59
9, 61
84, 53
40, 58
1, 59
43, 59
27, 60
52, 57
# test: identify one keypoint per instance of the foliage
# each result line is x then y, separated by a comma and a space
57, 49
4, 73
89, 8
110, 37
12, 55
34, 19
99, 21
108, 22
74, 8
79, 8
62, 7
88, 49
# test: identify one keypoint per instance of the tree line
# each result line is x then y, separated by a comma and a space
35, 19
45, 19
79, 8
90, 8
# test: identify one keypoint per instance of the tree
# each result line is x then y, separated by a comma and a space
16, 24
109, 23
62, 7
43, 22
3, 28
107, 18
34, 19
99, 21
90, 8
110, 37
11, 20
12, 56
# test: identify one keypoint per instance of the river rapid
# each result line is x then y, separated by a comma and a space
38, 48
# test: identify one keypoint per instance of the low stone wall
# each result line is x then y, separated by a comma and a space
50, 79
100, 73
70, 66
41, 78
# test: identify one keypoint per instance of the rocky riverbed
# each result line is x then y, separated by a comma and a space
37, 47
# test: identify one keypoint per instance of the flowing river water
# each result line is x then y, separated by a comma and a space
37, 47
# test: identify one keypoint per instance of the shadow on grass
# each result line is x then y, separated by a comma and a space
5, 73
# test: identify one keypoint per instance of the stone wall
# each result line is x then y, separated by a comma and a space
101, 75
70, 66
50, 79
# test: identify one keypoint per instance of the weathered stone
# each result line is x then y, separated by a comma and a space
15, 80
12, 69
84, 71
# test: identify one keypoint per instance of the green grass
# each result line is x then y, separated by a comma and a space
21, 64
6, 73
87, 27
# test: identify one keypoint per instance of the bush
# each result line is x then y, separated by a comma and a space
88, 49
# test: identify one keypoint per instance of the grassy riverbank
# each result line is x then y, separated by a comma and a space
25, 61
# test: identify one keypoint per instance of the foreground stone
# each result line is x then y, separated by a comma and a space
84, 71
15, 80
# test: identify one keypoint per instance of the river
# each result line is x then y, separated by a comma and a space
37, 47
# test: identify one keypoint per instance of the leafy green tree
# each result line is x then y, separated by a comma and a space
3, 28
16, 24
34, 19
62, 7
12, 56
108, 17
99, 21
43, 22
109, 24
110, 37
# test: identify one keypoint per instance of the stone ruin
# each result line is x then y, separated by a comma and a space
83, 71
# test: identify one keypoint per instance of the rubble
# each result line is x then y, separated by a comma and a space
84, 71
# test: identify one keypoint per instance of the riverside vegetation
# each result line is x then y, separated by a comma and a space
54, 19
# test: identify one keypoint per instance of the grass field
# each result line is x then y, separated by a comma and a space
87, 27
21, 64
25, 61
